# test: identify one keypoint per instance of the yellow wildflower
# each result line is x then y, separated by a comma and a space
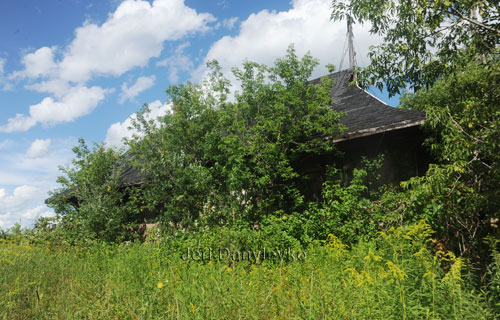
159, 285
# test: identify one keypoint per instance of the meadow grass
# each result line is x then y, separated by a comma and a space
395, 276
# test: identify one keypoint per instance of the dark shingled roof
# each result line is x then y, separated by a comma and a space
129, 174
365, 114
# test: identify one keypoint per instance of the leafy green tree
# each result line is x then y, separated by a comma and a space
278, 118
89, 203
176, 155
423, 40
448, 53
212, 157
461, 195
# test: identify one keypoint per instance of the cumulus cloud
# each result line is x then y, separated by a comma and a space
142, 83
57, 87
38, 64
17, 169
76, 102
26, 217
21, 206
33, 214
266, 35
38, 148
119, 130
177, 62
133, 34
19, 195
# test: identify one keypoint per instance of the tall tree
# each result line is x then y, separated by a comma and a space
448, 53
212, 156
423, 40
461, 195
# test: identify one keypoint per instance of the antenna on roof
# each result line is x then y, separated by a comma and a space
352, 53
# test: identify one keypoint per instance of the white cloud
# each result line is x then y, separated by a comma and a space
16, 168
20, 195
177, 63
133, 34
38, 148
19, 123
25, 181
76, 102
27, 217
38, 64
57, 87
21, 205
266, 35
142, 83
37, 212
230, 23
117, 131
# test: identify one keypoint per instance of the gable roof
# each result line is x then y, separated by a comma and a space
365, 114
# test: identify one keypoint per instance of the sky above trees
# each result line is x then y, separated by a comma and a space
71, 69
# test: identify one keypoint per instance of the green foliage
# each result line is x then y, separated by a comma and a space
423, 40
90, 204
446, 52
225, 171
493, 274
211, 157
347, 210
395, 276
460, 195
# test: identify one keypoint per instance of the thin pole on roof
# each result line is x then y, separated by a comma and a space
352, 53
344, 52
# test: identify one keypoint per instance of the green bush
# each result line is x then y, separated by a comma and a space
90, 204
347, 210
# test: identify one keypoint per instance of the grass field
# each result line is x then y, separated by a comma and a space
393, 277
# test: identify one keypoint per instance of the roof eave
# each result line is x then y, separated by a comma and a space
377, 130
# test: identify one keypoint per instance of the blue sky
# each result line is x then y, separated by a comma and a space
74, 68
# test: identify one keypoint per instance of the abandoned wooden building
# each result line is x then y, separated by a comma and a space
373, 128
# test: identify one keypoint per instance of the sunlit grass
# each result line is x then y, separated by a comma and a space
393, 277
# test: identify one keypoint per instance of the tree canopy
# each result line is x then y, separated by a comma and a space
423, 40
447, 54
236, 155
214, 161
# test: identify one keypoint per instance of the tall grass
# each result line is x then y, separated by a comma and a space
393, 277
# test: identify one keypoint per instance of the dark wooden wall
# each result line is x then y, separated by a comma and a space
404, 157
